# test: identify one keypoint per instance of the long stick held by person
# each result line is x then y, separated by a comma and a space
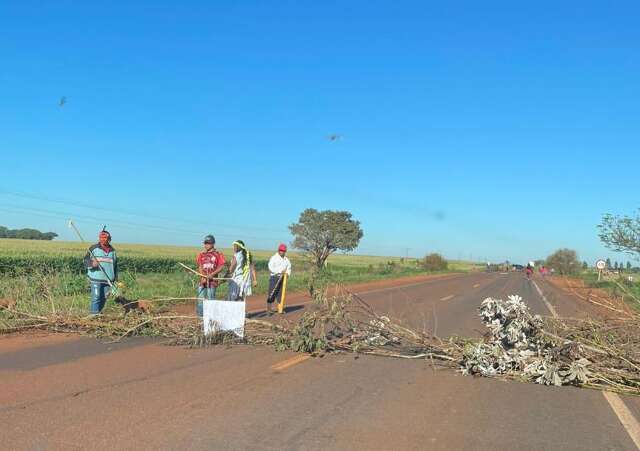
101, 263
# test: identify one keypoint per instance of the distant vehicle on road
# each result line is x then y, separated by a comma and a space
518, 267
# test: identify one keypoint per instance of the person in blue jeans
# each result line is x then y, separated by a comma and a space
99, 293
210, 263
102, 269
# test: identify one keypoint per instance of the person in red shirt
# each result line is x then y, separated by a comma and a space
529, 271
210, 263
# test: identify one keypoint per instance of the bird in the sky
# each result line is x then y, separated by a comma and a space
334, 137
63, 100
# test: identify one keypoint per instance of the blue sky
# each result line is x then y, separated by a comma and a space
488, 130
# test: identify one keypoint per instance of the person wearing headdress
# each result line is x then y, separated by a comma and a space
101, 264
242, 273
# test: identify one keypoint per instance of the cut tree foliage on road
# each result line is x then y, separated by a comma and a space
589, 353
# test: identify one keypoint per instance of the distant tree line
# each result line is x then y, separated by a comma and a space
566, 262
26, 234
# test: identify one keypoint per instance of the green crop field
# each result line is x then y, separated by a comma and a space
33, 270
49, 251
23, 248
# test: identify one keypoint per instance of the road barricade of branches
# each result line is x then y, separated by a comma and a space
555, 351
600, 354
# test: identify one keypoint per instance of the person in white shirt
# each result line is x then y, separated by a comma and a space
279, 265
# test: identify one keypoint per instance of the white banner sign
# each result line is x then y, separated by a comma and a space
222, 316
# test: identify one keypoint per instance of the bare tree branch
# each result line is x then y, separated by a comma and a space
621, 233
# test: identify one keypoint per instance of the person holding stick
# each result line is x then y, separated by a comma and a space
101, 263
279, 265
210, 263
242, 272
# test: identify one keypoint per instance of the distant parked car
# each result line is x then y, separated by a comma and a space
518, 268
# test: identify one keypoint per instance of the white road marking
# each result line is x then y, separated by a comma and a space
544, 299
446, 298
476, 285
444, 277
621, 410
625, 416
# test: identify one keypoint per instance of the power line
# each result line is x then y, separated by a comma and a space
132, 213
126, 224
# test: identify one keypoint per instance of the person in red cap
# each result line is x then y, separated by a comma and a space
279, 265
102, 269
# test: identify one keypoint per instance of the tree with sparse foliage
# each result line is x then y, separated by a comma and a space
621, 233
585, 265
321, 233
435, 262
565, 261
628, 266
608, 263
615, 266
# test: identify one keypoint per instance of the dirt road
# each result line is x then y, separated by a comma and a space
76, 393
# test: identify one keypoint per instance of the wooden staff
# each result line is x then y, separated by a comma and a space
203, 275
283, 294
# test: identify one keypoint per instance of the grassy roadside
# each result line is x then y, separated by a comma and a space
618, 287
69, 292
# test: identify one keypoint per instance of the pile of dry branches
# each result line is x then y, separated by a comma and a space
603, 354
612, 346
347, 323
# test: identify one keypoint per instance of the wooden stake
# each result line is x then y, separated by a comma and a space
283, 294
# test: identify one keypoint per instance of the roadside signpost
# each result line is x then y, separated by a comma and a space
601, 265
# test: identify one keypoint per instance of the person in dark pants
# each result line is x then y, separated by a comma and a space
279, 265
102, 269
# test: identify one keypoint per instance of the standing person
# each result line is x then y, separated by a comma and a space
102, 269
279, 265
242, 272
210, 263
529, 271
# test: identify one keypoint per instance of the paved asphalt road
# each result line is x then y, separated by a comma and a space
76, 393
